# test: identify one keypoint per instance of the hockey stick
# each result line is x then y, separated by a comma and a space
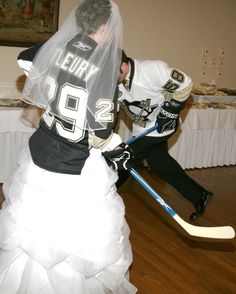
222, 232
148, 131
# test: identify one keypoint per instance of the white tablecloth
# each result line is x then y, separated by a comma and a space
206, 138
16, 126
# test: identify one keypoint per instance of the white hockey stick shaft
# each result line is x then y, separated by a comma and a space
222, 232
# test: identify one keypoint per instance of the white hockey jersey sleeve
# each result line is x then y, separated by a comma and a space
173, 83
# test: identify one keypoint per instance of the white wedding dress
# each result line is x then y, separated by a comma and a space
64, 234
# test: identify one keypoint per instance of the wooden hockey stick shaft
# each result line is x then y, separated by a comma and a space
222, 232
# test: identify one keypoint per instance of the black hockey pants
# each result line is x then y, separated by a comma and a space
155, 151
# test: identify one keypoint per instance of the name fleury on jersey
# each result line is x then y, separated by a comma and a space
75, 65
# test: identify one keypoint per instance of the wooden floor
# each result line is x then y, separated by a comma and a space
166, 259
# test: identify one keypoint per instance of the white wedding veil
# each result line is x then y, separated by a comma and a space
74, 75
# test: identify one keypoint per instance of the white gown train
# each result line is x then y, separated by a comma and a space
64, 234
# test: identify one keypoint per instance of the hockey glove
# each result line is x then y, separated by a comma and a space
167, 118
119, 158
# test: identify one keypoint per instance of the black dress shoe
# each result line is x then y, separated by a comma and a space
200, 207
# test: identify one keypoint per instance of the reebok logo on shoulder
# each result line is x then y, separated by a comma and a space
82, 46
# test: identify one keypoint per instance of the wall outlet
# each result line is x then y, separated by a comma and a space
221, 52
221, 57
205, 57
204, 62
212, 62
220, 62
205, 52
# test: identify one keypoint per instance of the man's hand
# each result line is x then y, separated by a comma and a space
167, 118
119, 157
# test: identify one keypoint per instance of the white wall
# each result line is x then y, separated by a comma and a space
176, 31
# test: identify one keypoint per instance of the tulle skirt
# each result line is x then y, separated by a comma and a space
64, 234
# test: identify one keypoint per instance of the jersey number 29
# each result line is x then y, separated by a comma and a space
71, 106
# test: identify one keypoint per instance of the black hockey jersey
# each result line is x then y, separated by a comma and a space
58, 145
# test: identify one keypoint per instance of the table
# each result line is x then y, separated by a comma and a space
206, 138
16, 126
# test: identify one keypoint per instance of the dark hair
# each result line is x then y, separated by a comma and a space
124, 58
91, 14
